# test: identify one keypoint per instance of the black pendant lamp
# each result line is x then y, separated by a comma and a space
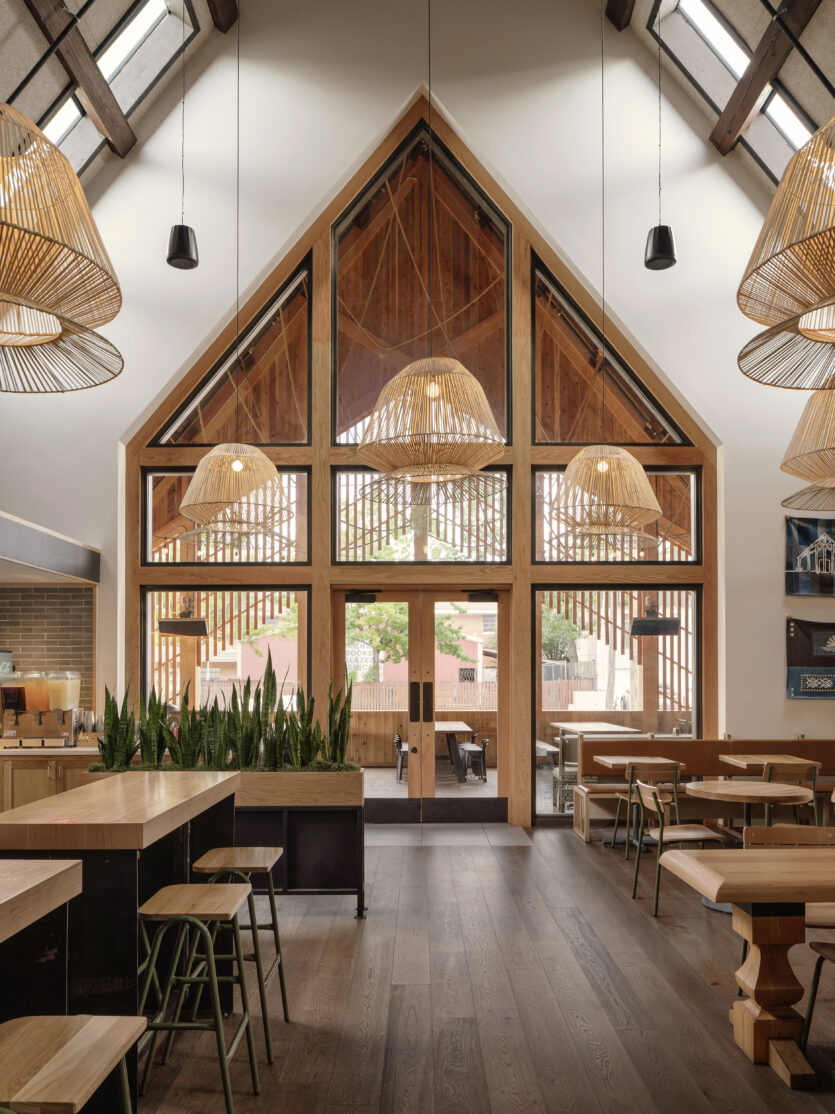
660, 252
182, 241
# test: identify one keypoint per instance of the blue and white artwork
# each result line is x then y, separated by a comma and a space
810, 660
810, 556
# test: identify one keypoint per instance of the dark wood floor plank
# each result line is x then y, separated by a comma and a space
408, 1076
460, 1078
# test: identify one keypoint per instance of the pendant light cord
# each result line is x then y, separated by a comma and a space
603, 218
659, 115
183, 127
238, 223
431, 169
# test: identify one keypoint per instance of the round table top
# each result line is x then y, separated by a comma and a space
750, 792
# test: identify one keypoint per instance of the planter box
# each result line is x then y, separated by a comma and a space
319, 820
292, 789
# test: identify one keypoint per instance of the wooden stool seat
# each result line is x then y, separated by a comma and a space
823, 948
249, 860
683, 833
204, 903
56, 1064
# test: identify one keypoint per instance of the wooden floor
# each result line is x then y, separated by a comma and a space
504, 979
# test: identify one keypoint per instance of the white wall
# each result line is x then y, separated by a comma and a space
321, 84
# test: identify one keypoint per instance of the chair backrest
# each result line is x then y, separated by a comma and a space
484, 743
652, 774
789, 835
791, 772
398, 742
648, 793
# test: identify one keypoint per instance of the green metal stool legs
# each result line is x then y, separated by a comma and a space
810, 1009
200, 972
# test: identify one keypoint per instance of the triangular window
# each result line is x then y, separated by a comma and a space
272, 402
581, 395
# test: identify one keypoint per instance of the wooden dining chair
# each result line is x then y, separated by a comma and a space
664, 777
402, 756
792, 774
650, 803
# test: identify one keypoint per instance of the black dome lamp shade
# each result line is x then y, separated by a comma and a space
661, 248
182, 241
653, 625
660, 252
182, 248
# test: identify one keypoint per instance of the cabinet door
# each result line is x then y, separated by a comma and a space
70, 773
26, 780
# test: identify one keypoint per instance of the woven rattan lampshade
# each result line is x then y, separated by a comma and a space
236, 486
811, 498
792, 266
73, 360
431, 422
605, 492
51, 254
798, 354
811, 452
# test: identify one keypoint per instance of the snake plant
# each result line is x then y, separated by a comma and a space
117, 742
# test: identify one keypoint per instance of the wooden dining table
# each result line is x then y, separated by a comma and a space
768, 889
750, 793
753, 763
133, 832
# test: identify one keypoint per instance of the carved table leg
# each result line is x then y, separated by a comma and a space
767, 978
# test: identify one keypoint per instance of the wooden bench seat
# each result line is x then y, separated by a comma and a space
56, 1064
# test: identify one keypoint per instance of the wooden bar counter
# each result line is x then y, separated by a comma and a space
134, 833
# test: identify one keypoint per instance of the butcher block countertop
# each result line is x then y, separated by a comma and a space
128, 811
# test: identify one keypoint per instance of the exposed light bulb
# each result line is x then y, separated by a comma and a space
237, 465
432, 389
602, 466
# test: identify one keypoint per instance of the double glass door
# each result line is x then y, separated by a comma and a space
429, 701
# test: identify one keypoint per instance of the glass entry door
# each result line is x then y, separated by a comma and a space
429, 704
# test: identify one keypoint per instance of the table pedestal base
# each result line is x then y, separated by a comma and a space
766, 1027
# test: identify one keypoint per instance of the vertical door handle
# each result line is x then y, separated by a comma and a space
428, 702
414, 702
49, 771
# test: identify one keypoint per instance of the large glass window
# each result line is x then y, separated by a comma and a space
674, 537
243, 626
374, 526
591, 668
260, 397
171, 539
386, 270
581, 397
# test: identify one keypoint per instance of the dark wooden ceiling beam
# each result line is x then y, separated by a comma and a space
619, 13
95, 94
224, 13
766, 62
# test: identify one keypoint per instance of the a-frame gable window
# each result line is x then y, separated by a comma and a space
382, 281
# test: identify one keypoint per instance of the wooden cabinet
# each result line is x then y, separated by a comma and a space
31, 777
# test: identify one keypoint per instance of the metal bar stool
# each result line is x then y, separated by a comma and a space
199, 911
237, 864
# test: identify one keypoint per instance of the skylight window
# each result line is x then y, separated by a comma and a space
141, 50
716, 35
131, 37
787, 120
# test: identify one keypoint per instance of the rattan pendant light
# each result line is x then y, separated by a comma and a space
811, 451
798, 354
236, 485
813, 498
604, 491
432, 422
792, 267
56, 280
